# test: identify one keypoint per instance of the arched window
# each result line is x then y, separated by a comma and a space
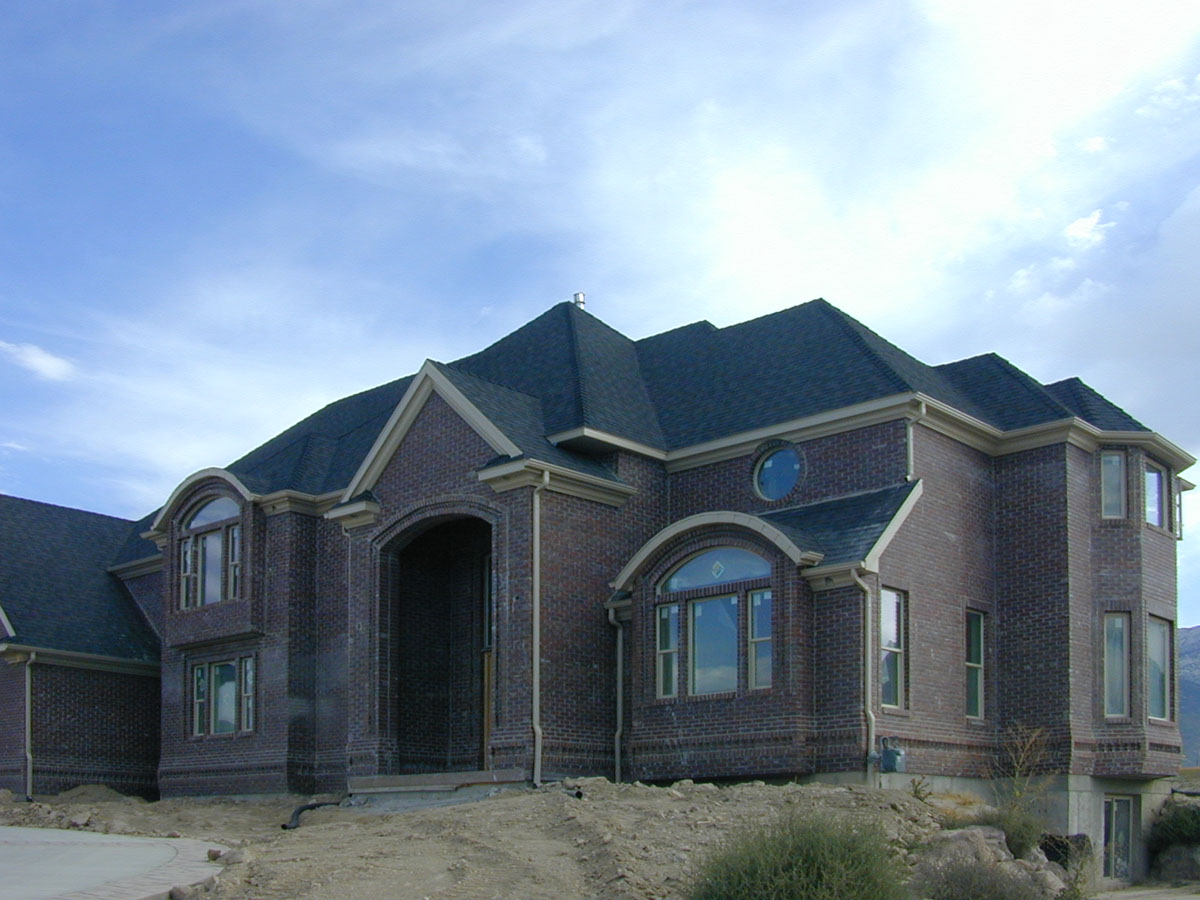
210, 554
718, 632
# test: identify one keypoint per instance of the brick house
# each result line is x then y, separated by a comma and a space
759, 550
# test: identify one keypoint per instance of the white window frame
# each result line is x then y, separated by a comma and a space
1160, 642
899, 651
224, 537
1116, 667
1117, 859
1160, 494
204, 701
1122, 486
666, 685
976, 665
757, 641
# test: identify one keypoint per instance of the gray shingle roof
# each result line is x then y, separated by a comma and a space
54, 587
1091, 407
844, 529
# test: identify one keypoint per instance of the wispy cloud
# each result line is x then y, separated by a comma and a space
38, 361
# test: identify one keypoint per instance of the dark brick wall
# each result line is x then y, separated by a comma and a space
92, 727
12, 727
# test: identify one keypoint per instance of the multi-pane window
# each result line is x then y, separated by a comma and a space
760, 639
713, 645
1156, 512
1112, 484
1118, 836
223, 695
1159, 672
721, 641
974, 644
1116, 664
667, 660
210, 555
892, 616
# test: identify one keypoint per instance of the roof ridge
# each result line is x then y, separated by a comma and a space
1033, 386
842, 321
580, 392
496, 384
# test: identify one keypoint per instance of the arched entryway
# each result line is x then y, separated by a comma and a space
438, 585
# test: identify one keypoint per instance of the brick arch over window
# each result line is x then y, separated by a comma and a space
735, 521
411, 523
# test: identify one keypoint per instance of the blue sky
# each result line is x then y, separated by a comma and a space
217, 216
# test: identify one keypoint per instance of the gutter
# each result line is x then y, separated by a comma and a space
29, 661
536, 600
868, 670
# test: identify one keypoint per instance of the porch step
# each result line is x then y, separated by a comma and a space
432, 782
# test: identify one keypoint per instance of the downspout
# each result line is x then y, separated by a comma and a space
29, 725
619, 733
868, 669
536, 641
910, 473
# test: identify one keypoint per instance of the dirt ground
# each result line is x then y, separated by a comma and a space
614, 841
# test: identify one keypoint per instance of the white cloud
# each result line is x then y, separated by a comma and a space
38, 361
1095, 144
1087, 232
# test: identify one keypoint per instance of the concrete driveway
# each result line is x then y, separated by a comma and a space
52, 864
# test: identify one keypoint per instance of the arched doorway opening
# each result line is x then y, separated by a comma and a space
440, 587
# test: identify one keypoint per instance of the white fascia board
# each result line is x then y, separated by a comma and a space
75, 660
605, 437
797, 555
871, 563
427, 381
186, 485
6, 624
288, 501
517, 473
147, 565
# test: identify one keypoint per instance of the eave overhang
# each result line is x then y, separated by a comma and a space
135, 568
19, 653
519, 473
354, 514
595, 440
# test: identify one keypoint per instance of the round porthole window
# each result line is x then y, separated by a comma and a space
777, 473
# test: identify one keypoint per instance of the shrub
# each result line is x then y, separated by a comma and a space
796, 858
1176, 823
969, 879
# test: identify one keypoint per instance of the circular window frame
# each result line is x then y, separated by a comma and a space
769, 453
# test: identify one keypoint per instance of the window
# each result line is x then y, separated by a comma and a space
718, 633
713, 642
1118, 833
760, 639
1116, 664
1112, 484
667, 667
777, 473
210, 555
223, 696
1156, 513
892, 615
974, 664
1159, 677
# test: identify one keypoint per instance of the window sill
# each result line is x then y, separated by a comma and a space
977, 721
900, 711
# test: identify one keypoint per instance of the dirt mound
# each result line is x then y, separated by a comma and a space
91, 793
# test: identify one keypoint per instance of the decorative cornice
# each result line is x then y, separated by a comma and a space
135, 568
287, 501
19, 653
355, 514
596, 439
427, 381
177, 495
860, 415
525, 472
798, 555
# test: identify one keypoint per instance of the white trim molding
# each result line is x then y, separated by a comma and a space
287, 501
587, 437
135, 568
427, 381
842, 574
20, 653
182, 489
355, 514
798, 555
518, 473
6, 624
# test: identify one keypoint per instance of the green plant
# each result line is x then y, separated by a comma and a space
970, 879
920, 789
797, 858
1176, 823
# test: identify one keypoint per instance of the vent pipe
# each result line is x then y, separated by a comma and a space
579, 300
